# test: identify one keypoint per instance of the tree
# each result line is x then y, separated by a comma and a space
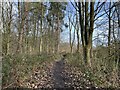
71, 24
7, 21
58, 17
77, 32
109, 31
21, 21
86, 29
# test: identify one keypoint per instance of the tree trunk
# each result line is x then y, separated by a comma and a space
19, 34
57, 35
91, 27
87, 32
9, 29
20, 29
53, 35
77, 32
86, 52
41, 31
109, 32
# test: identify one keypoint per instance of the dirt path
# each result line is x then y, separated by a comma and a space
58, 74
49, 75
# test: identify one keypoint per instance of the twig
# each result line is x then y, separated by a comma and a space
8, 85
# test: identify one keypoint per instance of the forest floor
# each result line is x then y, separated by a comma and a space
52, 75
57, 73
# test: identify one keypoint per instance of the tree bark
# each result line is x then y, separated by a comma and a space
77, 33
57, 35
109, 32
87, 32
20, 28
41, 31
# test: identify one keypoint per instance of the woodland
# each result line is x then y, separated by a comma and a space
62, 45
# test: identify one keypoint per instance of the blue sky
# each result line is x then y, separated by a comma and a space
104, 28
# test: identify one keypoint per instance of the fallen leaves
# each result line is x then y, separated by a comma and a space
62, 74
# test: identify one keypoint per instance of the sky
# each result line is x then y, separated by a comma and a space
104, 28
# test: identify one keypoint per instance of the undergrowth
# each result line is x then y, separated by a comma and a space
102, 73
18, 67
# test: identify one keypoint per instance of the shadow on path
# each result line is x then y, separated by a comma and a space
58, 74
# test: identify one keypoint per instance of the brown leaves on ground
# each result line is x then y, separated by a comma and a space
40, 77
59, 74
76, 78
